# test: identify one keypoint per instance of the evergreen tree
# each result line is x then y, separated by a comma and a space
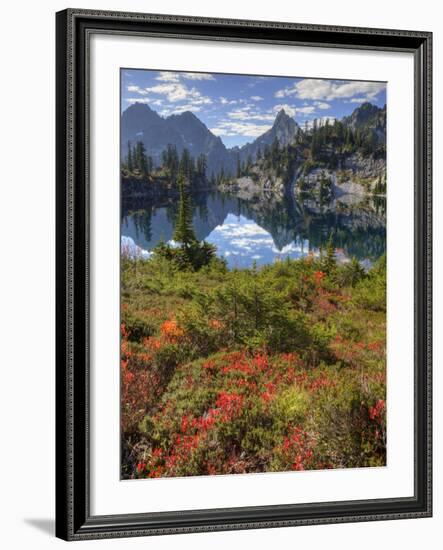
314, 126
129, 161
186, 167
328, 261
150, 165
339, 131
315, 146
171, 161
184, 231
139, 158
299, 138
353, 272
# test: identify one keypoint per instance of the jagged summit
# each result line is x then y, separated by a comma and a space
285, 127
185, 115
281, 115
185, 130
368, 115
284, 130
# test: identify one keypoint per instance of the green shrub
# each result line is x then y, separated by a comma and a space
138, 327
370, 292
291, 406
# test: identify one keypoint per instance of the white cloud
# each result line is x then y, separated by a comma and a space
166, 76
176, 91
293, 111
132, 100
306, 110
322, 105
357, 100
131, 250
137, 89
248, 112
289, 109
248, 229
257, 98
317, 89
178, 109
287, 249
197, 76
226, 101
248, 129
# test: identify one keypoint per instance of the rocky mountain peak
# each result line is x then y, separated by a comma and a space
284, 128
366, 114
186, 116
281, 115
140, 109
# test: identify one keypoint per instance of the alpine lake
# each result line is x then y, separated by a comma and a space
259, 229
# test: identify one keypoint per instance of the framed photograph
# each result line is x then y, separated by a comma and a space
243, 274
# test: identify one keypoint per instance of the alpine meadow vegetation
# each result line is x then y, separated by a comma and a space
252, 370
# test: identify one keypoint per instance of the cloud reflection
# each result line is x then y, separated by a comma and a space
242, 242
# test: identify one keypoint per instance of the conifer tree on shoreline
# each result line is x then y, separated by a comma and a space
184, 231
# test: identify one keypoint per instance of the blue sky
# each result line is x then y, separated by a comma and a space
239, 108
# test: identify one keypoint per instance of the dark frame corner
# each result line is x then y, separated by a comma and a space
73, 29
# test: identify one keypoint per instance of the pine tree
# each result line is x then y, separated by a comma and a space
329, 263
170, 161
186, 167
314, 126
184, 231
150, 165
299, 137
139, 158
129, 161
315, 146
353, 272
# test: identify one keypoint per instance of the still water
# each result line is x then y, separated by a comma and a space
261, 229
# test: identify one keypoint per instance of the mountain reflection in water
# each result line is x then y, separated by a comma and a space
261, 229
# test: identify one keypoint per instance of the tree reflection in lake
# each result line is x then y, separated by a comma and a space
262, 228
